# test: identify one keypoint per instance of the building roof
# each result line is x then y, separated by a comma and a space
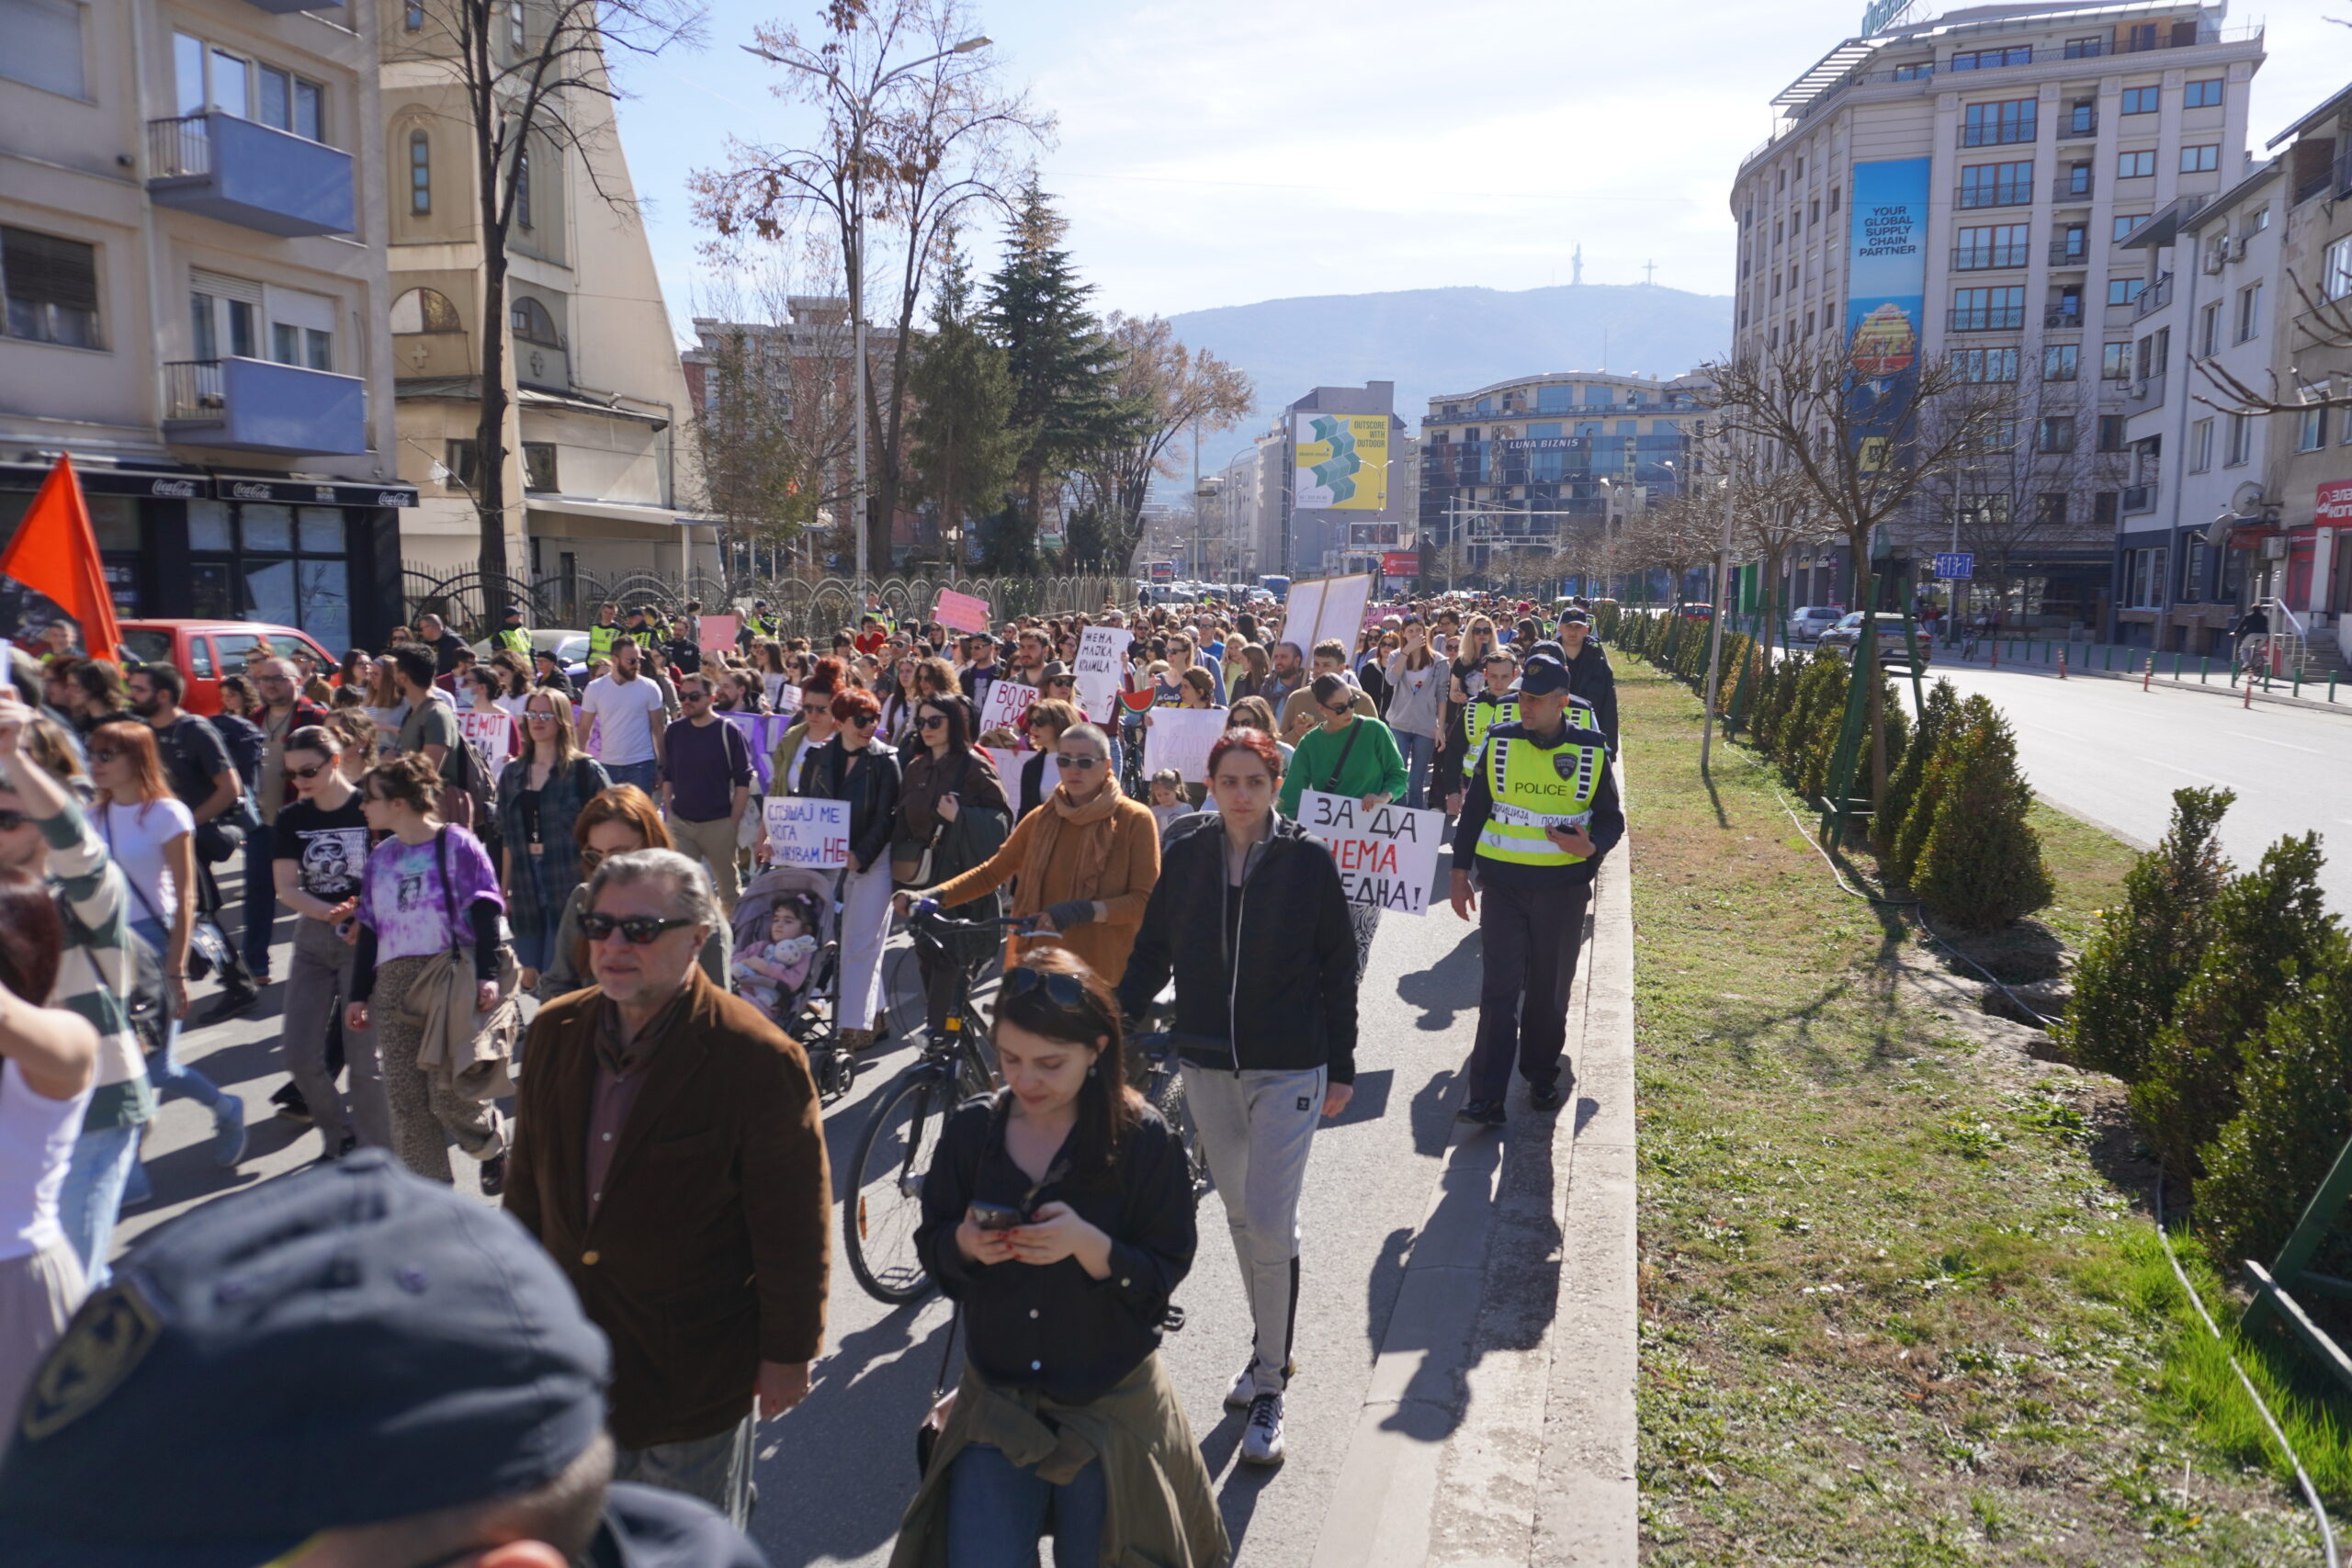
2313, 120
2264, 173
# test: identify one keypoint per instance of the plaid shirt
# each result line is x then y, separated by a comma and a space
94, 975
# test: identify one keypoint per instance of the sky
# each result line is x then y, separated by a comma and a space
1222, 151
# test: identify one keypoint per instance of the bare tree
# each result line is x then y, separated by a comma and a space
2323, 330
916, 129
524, 71
1866, 437
1675, 533
1170, 389
1772, 518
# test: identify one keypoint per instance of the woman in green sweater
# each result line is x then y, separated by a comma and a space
1346, 754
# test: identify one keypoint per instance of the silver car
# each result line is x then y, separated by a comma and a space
1807, 624
1894, 648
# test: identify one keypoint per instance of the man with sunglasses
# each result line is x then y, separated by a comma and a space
671, 1161
706, 786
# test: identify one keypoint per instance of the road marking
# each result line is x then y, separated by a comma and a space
2290, 745
2192, 773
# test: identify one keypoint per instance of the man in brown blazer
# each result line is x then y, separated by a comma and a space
669, 1155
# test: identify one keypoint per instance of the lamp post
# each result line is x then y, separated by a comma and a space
862, 107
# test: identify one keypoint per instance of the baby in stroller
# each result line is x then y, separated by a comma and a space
776, 972
787, 962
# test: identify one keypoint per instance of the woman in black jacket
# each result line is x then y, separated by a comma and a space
1249, 917
1058, 1215
855, 767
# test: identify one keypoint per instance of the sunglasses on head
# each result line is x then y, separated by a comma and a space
639, 929
1062, 990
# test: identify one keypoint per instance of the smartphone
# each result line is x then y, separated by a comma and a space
997, 1216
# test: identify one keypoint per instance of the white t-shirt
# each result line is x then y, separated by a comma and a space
135, 836
626, 713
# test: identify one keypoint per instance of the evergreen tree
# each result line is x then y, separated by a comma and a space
1935, 777
1980, 866
2268, 927
965, 447
1903, 784
1064, 369
2145, 949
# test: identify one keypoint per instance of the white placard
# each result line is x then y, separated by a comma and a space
1181, 739
1007, 769
491, 735
1006, 702
1102, 661
1300, 610
802, 831
1387, 856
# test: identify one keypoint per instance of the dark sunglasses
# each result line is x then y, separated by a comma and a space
308, 774
1081, 763
863, 720
1062, 990
639, 929
693, 696
930, 721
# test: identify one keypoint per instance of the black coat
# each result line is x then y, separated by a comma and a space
1591, 677
1292, 1008
871, 789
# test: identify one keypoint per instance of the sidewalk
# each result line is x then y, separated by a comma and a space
2112, 662
1499, 1425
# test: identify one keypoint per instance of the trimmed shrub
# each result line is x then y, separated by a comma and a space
2268, 927
2135, 964
1935, 774
2295, 1112
1981, 865
1812, 735
1902, 783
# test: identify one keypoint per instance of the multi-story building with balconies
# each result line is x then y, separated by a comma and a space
2027, 142
192, 256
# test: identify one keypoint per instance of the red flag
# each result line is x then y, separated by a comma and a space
56, 553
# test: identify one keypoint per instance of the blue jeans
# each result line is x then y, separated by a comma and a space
646, 775
997, 1513
1420, 751
169, 1077
91, 1197
261, 900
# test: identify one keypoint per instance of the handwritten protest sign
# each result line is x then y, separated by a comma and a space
961, 612
1101, 658
719, 631
1007, 769
760, 732
808, 832
1387, 856
1180, 738
1006, 702
491, 735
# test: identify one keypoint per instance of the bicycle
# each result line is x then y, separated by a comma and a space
884, 1194
1157, 1072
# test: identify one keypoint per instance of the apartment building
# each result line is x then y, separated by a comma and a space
191, 252
2003, 154
599, 424
2308, 568
1330, 521
1522, 464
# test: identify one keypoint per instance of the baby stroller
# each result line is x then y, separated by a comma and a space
786, 963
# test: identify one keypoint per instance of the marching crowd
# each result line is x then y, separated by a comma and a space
453, 831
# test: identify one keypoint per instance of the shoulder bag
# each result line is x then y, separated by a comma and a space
1331, 784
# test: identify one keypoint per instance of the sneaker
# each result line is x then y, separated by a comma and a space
228, 1131
1481, 1112
291, 1106
1262, 1439
1245, 1383
234, 1000
1545, 1096
494, 1176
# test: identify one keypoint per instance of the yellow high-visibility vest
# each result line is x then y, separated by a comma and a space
1535, 789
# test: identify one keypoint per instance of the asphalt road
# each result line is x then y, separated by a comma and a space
835, 1474
2112, 755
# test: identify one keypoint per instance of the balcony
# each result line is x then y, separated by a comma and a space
2152, 299
2076, 251
254, 175
1987, 258
1986, 319
2079, 125
2139, 396
2005, 193
2073, 187
286, 7
2016, 133
2063, 316
255, 405
2140, 497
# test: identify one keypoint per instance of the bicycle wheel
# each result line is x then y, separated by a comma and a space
884, 1202
902, 994
1165, 1090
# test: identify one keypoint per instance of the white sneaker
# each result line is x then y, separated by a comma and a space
1245, 1386
1262, 1439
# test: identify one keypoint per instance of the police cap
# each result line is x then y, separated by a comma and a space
1541, 675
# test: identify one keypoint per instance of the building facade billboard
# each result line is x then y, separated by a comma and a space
1886, 269
1343, 462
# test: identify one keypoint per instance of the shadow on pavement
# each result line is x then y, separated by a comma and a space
1433, 1115
1449, 987
1370, 1103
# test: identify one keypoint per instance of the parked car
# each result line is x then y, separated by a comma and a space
206, 650
1892, 647
1693, 610
1807, 624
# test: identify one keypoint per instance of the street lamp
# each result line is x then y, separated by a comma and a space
863, 105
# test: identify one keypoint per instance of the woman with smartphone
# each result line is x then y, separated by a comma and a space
1059, 1216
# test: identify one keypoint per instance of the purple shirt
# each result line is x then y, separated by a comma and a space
402, 901
705, 763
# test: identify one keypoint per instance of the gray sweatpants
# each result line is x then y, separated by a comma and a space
1256, 1128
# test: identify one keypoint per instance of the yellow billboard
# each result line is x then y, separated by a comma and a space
1342, 463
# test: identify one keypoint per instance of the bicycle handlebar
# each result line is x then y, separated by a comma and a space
927, 916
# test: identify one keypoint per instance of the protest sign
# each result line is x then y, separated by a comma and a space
1180, 738
491, 735
1102, 658
805, 832
1387, 856
1008, 770
719, 631
760, 732
961, 612
1006, 702
1326, 607
1299, 613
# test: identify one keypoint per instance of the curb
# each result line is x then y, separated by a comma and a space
1498, 1427
2235, 694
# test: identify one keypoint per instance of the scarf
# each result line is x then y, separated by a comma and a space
1062, 815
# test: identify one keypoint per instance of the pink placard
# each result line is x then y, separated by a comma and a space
719, 631
961, 611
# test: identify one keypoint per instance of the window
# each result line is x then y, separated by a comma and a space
460, 459
1996, 245
289, 103
2075, 181
517, 40
2259, 221
420, 174
2049, 508
52, 284
1991, 59
44, 44
2201, 447
523, 187
1553, 398
1915, 72
1995, 124
2249, 310
1987, 309
2061, 361
2123, 225
2137, 165
1991, 366
424, 310
2200, 160
2311, 428
2240, 440
309, 346
2335, 270
2111, 433
2085, 48
2073, 244
2054, 433
2193, 554
207, 77
2065, 308
2115, 362
533, 324
1997, 185
1833, 202
2139, 101
2202, 94
2124, 290
539, 466
2154, 353
412, 16
224, 317
2104, 508
2209, 328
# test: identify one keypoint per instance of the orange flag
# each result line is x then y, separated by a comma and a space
55, 552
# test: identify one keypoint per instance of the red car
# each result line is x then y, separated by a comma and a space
206, 650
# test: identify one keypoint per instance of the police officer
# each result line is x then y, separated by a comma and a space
1540, 810
605, 632
1495, 703
512, 636
760, 622
349, 1366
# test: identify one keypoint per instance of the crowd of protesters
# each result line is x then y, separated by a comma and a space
452, 829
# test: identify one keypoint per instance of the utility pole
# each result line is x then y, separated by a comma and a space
1715, 637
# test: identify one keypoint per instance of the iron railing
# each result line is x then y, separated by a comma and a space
1986, 318
2155, 296
179, 148
1986, 257
2007, 192
2070, 253
2079, 125
2001, 133
194, 389
2074, 185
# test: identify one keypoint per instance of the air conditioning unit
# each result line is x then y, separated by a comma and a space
2216, 256
2238, 248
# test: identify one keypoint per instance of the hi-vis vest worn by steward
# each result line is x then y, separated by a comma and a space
1535, 789
1484, 712
601, 638
514, 639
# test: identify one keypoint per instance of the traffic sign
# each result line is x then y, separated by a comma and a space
1960, 565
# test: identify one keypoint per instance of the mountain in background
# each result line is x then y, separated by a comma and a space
1432, 341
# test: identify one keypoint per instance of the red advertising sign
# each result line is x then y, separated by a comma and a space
1401, 563
2332, 507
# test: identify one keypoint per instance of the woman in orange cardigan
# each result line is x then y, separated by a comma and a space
1086, 859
